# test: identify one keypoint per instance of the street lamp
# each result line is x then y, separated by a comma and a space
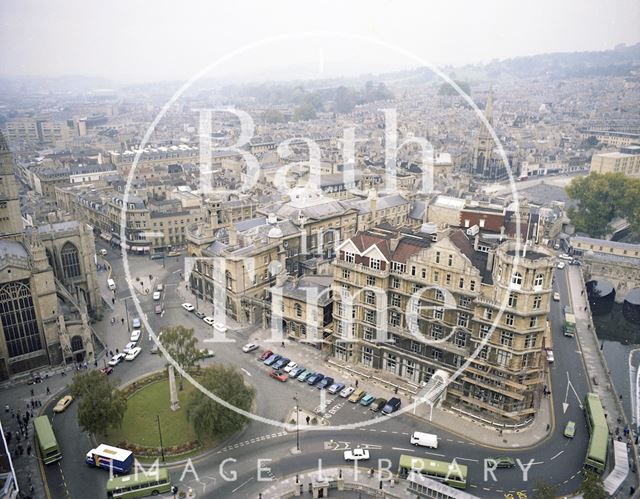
126, 308
297, 423
160, 434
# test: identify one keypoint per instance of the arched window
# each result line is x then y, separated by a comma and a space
76, 343
539, 280
516, 279
70, 261
18, 317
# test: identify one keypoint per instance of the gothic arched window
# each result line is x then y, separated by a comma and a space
70, 260
19, 320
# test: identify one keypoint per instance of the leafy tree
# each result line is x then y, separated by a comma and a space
304, 112
545, 491
273, 116
592, 487
446, 89
590, 141
181, 347
100, 405
207, 416
345, 100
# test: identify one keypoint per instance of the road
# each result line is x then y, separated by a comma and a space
556, 460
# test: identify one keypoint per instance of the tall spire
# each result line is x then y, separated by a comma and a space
488, 110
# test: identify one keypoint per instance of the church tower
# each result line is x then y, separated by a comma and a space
482, 155
10, 217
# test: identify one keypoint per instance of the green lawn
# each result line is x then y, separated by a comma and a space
139, 425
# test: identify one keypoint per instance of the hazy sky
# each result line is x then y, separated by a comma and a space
154, 39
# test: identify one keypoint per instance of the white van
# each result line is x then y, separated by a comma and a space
424, 440
112, 284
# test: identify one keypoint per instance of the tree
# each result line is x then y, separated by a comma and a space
181, 347
446, 89
345, 100
207, 416
273, 116
592, 487
100, 405
545, 491
304, 112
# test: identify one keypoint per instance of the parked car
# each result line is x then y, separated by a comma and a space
550, 357
107, 370
357, 396
200, 315
316, 378
378, 404
279, 375
296, 371
173, 253
324, 382
367, 400
504, 462
129, 346
392, 406
335, 388
347, 392
135, 323
220, 327
556, 296
133, 353
575, 262
570, 429
160, 287
305, 375
156, 295
116, 359
356, 455
63, 403
158, 308
290, 366
135, 335
188, 307
280, 363
265, 355
561, 265
249, 347
272, 359
208, 320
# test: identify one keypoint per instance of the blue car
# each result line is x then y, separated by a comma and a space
305, 376
296, 371
367, 400
316, 378
280, 363
324, 382
336, 388
273, 358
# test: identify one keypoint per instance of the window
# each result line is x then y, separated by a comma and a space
395, 300
513, 300
436, 331
367, 356
371, 281
438, 313
461, 339
70, 261
482, 354
533, 322
369, 334
416, 347
436, 354
539, 280
19, 320
370, 298
437, 257
436, 276
346, 274
516, 279
394, 318
298, 310
461, 283
503, 358
463, 320
488, 313
537, 301
413, 270
370, 316
530, 340
374, 264
506, 338
392, 363
450, 261
423, 273
464, 301
395, 283
438, 295
448, 280
484, 331
349, 257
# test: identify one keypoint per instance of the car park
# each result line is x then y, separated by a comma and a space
249, 347
200, 315
305, 375
133, 353
296, 371
188, 307
116, 359
347, 392
279, 375
290, 366
324, 382
391, 406
274, 357
158, 308
129, 346
561, 265
63, 403
357, 396
220, 327
335, 388
556, 296
503, 462
378, 404
135, 335
570, 429
316, 378
156, 295
356, 455
136, 323
265, 355
107, 370
367, 400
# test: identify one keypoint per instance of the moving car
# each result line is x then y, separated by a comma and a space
561, 265
504, 462
290, 366
575, 262
111, 284
335, 388
392, 406
63, 403
188, 307
135, 323
296, 371
133, 353
265, 355
378, 404
220, 327
156, 295
570, 429
107, 370
116, 359
305, 375
103, 252
135, 335
356, 455
367, 400
158, 309
279, 375
347, 392
272, 359
249, 347
550, 357
208, 320
565, 257
324, 382
129, 346
200, 315
173, 253
357, 396
316, 378
556, 296
424, 439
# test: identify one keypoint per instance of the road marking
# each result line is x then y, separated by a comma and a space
403, 449
557, 455
242, 484
245, 371
467, 459
435, 454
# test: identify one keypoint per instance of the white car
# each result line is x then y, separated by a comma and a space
556, 296
188, 307
291, 365
116, 359
208, 320
561, 265
156, 295
135, 335
356, 455
133, 353
220, 327
249, 347
129, 346
347, 392
550, 357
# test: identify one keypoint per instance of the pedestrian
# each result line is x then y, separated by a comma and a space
122, 319
48, 391
395, 390
113, 300
28, 450
20, 449
32, 392
8, 437
283, 344
548, 426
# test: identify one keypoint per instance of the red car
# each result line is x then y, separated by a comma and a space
107, 370
279, 375
265, 355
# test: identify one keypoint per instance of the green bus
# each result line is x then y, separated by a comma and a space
140, 484
47, 443
451, 473
596, 459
